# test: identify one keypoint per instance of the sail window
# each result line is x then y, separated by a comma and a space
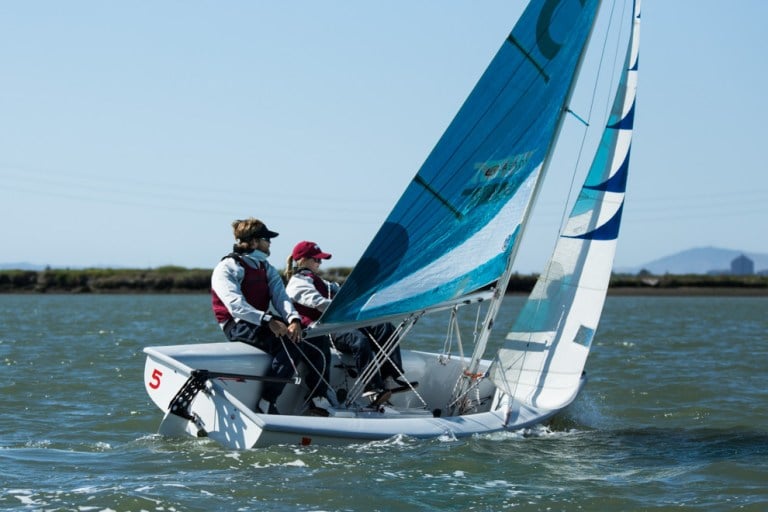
584, 336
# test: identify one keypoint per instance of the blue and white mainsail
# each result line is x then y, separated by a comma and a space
458, 223
543, 358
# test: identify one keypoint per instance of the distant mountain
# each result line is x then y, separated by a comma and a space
700, 260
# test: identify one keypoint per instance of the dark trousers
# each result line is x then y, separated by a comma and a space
317, 355
316, 352
359, 345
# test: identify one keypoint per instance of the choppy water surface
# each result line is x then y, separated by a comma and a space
674, 417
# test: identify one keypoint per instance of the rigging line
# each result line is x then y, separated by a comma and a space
577, 163
459, 393
616, 55
448, 342
290, 359
374, 365
386, 350
459, 342
509, 367
318, 371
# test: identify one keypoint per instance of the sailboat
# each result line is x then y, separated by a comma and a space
449, 244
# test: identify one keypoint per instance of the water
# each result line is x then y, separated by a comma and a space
674, 417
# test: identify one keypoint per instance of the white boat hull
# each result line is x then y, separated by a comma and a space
223, 409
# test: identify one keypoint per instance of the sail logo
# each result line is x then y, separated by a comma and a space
495, 180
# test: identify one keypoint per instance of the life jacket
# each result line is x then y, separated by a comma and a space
254, 287
308, 314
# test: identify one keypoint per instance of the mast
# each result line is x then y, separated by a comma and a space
542, 361
503, 281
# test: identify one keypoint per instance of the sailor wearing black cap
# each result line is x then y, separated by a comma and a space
243, 286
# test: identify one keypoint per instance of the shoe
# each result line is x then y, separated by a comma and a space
265, 407
381, 398
321, 402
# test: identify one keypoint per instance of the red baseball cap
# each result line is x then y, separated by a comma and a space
308, 250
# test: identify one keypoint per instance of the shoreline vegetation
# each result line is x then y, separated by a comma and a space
173, 279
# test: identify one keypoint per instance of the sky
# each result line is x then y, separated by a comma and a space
132, 134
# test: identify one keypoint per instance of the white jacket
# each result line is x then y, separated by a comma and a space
226, 279
301, 289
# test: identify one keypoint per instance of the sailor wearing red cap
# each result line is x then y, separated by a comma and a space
312, 295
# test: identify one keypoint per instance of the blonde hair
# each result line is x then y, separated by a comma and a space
290, 268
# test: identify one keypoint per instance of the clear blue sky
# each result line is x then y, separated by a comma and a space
133, 133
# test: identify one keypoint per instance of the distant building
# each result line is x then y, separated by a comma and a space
742, 266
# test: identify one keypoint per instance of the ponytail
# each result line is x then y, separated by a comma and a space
289, 268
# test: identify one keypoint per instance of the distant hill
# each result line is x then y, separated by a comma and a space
700, 260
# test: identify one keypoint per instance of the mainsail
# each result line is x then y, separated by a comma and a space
453, 230
543, 358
